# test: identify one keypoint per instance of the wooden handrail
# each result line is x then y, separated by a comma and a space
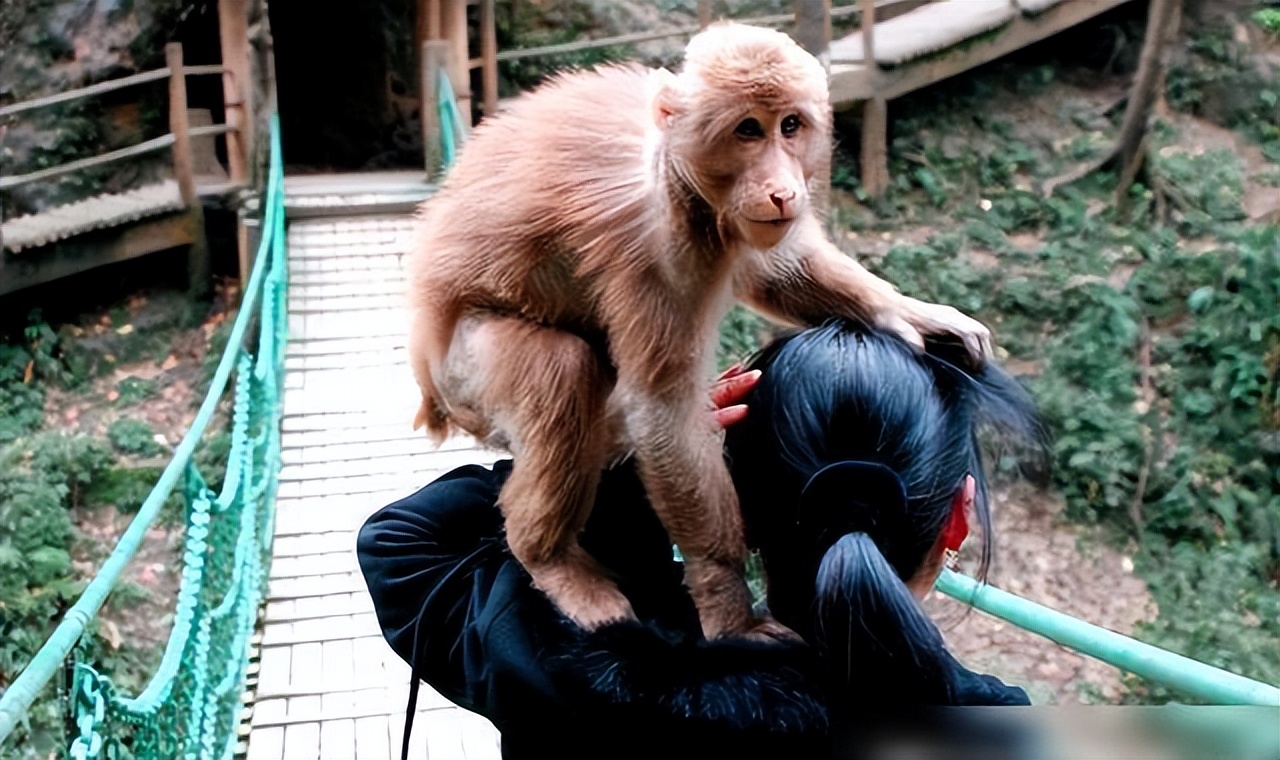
635, 37
104, 87
149, 146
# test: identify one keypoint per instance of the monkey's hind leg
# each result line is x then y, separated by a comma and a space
545, 390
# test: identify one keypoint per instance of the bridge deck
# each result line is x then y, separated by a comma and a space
328, 685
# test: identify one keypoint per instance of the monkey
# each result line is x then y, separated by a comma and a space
567, 279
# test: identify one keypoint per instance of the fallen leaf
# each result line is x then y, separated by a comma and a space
113, 395
29, 372
108, 631
170, 362
110, 358
124, 330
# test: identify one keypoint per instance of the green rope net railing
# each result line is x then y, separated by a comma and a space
191, 707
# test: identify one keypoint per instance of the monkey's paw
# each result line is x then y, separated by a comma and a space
915, 318
597, 607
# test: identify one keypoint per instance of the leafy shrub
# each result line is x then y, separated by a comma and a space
133, 389
69, 463
131, 436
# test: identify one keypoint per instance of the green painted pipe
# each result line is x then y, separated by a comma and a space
18, 698
1213, 685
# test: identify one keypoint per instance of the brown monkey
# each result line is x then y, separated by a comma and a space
569, 276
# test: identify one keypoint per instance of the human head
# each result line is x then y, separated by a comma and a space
840, 548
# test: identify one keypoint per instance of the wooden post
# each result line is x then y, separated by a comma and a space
705, 14
875, 154
233, 31
427, 26
489, 56
813, 28
453, 24
867, 23
435, 56
875, 112
434, 31
262, 88
198, 269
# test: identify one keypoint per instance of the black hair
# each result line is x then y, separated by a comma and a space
906, 423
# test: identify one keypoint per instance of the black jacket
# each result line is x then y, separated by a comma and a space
456, 605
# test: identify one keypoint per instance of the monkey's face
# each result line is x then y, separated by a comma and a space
747, 127
769, 176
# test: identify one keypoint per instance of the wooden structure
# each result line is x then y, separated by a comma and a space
118, 226
100, 230
900, 46
889, 58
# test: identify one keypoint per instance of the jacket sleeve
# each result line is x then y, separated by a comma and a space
421, 557
455, 605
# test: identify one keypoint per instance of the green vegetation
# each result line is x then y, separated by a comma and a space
133, 389
56, 483
133, 437
1268, 19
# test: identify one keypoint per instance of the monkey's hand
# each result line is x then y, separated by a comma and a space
915, 318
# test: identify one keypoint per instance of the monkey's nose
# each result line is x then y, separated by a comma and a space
781, 198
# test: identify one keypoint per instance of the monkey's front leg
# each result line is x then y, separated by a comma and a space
680, 460
807, 279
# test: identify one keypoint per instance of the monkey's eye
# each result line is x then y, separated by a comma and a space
749, 128
790, 125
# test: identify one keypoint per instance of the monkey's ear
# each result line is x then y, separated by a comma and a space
664, 97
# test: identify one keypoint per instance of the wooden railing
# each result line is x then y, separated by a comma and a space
178, 139
442, 36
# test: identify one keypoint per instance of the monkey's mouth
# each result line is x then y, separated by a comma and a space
773, 222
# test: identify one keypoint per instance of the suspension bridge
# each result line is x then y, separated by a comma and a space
275, 651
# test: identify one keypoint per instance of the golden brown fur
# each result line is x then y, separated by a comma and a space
569, 276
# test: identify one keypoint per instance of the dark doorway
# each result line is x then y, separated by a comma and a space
345, 86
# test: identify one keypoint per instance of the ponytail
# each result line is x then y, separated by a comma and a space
878, 642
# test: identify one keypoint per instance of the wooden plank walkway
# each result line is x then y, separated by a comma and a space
328, 684
95, 213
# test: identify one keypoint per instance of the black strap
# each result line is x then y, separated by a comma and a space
415, 673
409, 712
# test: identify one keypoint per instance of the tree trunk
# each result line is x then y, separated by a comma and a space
1129, 146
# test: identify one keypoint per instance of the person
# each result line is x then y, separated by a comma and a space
858, 468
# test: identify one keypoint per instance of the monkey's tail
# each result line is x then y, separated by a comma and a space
432, 412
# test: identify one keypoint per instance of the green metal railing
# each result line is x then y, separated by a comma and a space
191, 707
452, 133
1182, 674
